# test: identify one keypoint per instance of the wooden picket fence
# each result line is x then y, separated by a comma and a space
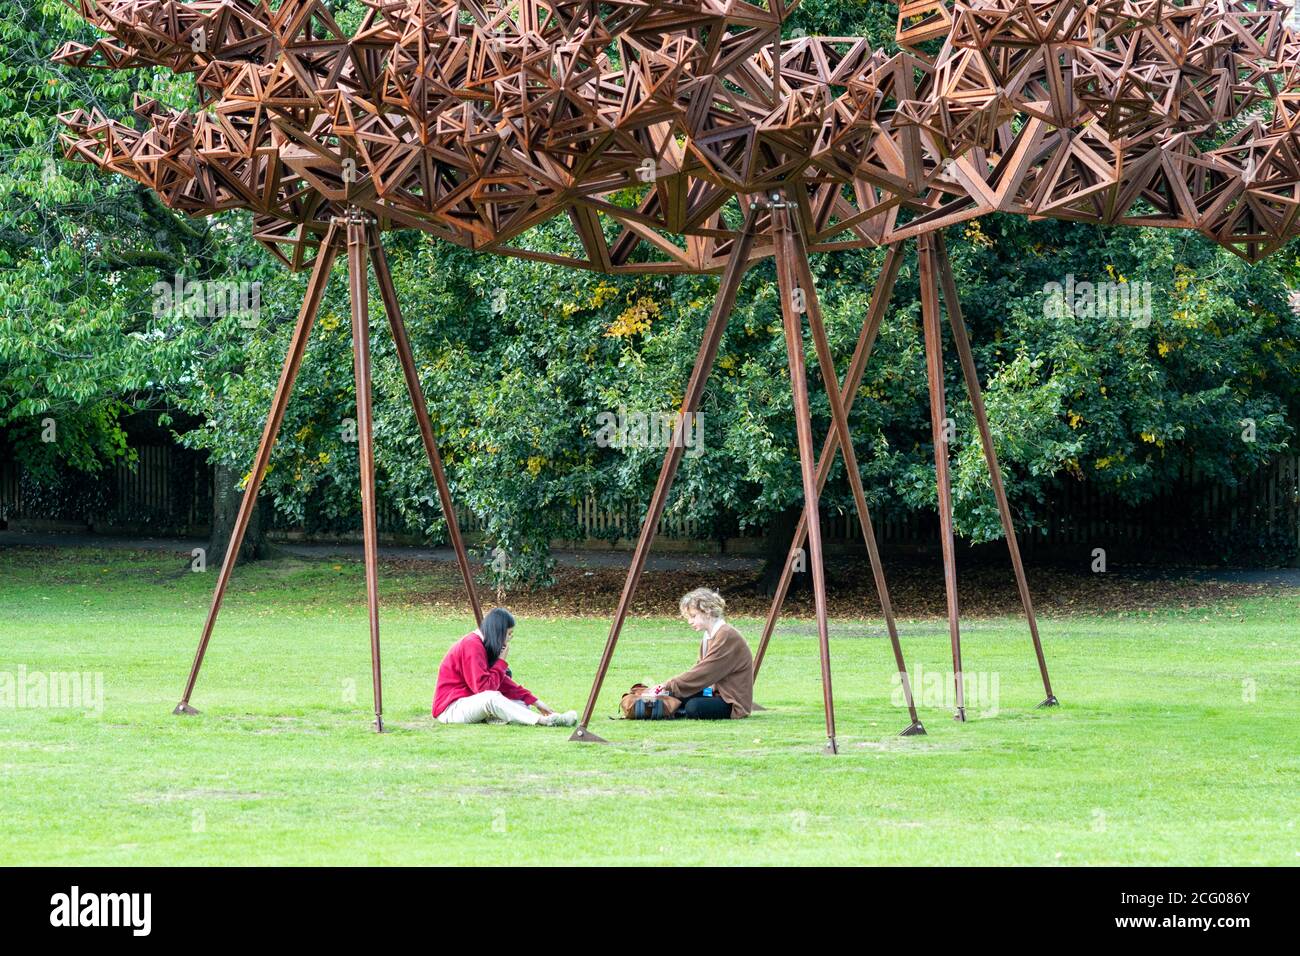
1193, 512
602, 524
168, 491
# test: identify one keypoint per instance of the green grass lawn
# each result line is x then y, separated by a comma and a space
1176, 742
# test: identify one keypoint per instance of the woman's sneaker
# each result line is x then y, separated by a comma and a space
567, 719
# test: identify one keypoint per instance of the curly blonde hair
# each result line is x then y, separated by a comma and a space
705, 600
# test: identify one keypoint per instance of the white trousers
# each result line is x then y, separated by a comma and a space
491, 705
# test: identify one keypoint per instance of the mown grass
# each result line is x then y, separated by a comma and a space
1176, 742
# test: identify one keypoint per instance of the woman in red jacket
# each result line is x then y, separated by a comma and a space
474, 684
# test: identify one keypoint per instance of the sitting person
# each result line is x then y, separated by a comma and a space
474, 683
721, 685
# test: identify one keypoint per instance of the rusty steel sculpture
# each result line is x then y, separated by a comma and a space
690, 136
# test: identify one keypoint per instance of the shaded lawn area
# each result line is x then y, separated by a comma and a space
1175, 744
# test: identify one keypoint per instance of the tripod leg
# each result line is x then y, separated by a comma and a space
357, 287
852, 380
737, 263
938, 429
288, 373
962, 341
388, 292
786, 278
840, 426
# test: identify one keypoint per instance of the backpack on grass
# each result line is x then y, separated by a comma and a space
639, 704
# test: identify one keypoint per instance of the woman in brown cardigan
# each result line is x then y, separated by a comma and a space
721, 684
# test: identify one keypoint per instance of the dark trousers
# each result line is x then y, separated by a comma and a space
700, 707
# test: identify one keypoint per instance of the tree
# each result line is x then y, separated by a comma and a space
89, 317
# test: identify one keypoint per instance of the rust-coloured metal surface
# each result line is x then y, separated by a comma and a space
640, 122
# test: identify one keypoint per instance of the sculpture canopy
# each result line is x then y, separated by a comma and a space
641, 121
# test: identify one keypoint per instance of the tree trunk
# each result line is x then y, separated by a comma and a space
226, 498
779, 535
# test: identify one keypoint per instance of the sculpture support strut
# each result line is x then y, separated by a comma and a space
940, 430
939, 276
359, 298
292, 362
388, 293
852, 380
962, 341
364, 247
797, 295
792, 298
840, 426
737, 263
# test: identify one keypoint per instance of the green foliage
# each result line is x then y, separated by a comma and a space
1203, 388
80, 254
518, 359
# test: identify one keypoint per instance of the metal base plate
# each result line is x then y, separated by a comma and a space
1050, 702
584, 736
913, 730
831, 748
960, 715
379, 723
184, 709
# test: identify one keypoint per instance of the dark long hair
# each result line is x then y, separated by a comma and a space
496, 625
